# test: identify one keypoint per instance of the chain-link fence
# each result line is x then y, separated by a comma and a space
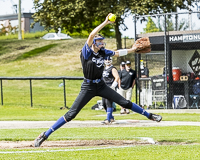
169, 76
39, 91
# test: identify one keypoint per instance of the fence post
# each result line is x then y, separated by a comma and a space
136, 70
31, 93
1, 93
165, 48
64, 93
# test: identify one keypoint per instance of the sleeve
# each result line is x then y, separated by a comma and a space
86, 51
109, 52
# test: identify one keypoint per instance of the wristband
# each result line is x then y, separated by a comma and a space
122, 52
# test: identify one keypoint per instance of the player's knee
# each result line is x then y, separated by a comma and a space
127, 105
69, 116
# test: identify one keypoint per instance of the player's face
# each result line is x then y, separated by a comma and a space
108, 61
128, 66
100, 44
122, 67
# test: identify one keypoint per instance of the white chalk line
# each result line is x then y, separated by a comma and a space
150, 140
65, 150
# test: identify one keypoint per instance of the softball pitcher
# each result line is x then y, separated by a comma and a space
92, 58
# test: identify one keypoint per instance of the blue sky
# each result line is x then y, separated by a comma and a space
27, 6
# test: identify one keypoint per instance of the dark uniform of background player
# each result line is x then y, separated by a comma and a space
127, 82
111, 78
92, 58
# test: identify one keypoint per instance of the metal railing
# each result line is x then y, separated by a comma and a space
38, 78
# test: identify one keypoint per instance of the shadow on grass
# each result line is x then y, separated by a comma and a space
35, 52
179, 141
3, 48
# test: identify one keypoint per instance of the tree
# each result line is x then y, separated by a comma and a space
170, 25
182, 25
150, 26
19, 19
4, 30
78, 15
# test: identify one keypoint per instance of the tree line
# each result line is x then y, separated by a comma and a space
84, 15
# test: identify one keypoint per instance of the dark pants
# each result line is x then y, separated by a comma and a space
106, 103
90, 90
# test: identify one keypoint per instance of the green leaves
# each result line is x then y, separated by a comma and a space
151, 26
79, 15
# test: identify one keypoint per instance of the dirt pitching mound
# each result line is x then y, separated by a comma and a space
70, 143
81, 143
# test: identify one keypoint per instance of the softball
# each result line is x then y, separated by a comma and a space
112, 18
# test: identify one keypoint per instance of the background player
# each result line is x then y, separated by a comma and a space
127, 82
92, 58
111, 78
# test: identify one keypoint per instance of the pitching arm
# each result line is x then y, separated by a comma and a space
97, 29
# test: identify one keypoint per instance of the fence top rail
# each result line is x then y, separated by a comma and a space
41, 78
163, 14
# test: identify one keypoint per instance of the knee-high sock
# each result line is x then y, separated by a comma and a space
139, 110
61, 121
111, 116
109, 113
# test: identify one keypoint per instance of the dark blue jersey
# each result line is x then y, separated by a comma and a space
108, 76
93, 63
127, 78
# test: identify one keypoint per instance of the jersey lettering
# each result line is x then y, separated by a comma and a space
105, 74
99, 61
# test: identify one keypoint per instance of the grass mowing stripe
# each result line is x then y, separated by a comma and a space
139, 152
35, 52
188, 134
65, 150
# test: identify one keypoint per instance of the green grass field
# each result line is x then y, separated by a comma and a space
36, 57
40, 113
187, 134
165, 152
183, 143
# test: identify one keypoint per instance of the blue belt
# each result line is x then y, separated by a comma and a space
92, 81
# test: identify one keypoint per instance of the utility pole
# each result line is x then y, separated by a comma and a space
19, 21
190, 17
176, 20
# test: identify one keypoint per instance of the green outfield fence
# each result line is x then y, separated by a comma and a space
31, 79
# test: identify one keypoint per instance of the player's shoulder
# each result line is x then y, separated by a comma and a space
113, 67
86, 51
109, 52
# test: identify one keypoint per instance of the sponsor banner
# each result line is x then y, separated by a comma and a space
185, 38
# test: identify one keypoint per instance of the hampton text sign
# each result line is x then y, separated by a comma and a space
184, 38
